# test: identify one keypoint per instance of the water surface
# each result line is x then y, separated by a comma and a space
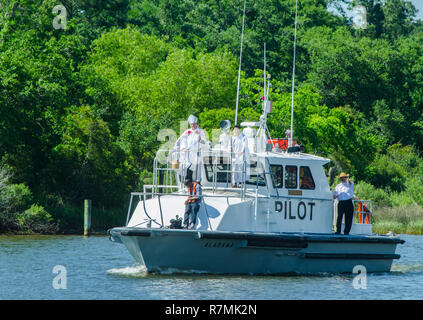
99, 269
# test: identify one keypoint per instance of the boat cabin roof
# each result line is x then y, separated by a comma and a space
271, 155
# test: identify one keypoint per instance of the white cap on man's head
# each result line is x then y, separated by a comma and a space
192, 119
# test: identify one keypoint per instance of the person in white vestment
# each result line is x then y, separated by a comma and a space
240, 156
189, 147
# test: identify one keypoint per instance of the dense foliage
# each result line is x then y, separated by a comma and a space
81, 106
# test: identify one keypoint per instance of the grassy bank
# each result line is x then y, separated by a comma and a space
403, 219
71, 218
60, 220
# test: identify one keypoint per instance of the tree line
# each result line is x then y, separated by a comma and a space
81, 106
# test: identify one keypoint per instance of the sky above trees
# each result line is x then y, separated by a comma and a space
419, 5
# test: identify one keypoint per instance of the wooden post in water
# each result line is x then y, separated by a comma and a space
87, 217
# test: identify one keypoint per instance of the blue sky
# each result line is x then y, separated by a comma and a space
419, 5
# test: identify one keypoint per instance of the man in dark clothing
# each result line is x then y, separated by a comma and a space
192, 204
344, 192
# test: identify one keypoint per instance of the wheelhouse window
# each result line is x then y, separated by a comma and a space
306, 179
256, 174
291, 177
222, 164
276, 172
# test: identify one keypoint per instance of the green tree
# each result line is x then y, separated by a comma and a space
208, 25
37, 84
92, 165
399, 18
140, 84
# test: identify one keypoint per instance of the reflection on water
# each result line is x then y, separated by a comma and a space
99, 269
407, 268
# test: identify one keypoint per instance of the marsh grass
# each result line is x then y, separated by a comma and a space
401, 219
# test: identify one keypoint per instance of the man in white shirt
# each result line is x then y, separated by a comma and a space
189, 145
344, 192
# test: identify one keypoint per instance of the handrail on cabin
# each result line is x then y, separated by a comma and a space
143, 195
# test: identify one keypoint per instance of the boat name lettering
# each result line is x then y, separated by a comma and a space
289, 214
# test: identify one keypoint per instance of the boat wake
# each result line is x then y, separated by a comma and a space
135, 271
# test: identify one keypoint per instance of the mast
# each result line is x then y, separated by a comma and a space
264, 73
265, 87
263, 130
239, 69
293, 78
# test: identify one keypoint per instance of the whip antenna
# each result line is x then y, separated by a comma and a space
264, 72
293, 78
239, 69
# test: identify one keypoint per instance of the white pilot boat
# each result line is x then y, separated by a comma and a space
279, 222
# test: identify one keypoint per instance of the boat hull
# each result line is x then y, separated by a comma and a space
221, 252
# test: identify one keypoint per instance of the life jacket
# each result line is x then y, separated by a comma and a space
363, 215
193, 192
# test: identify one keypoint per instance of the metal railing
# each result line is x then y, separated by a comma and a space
165, 182
252, 194
363, 211
155, 195
165, 174
214, 158
362, 214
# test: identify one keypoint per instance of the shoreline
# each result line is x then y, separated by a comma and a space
63, 233
376, 230
405, 230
